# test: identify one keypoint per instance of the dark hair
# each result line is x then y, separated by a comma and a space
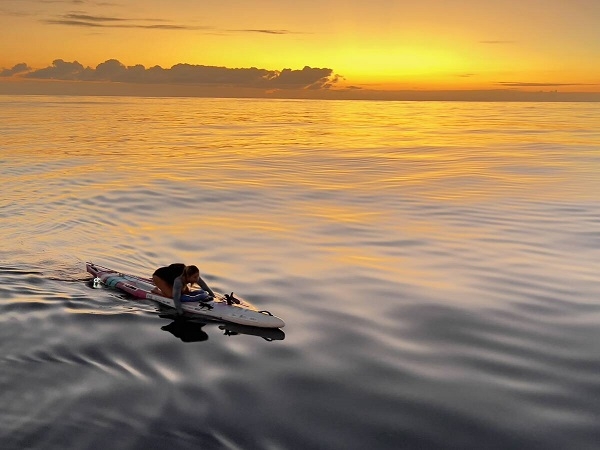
189, 270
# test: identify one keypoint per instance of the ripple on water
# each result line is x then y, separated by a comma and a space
437, 277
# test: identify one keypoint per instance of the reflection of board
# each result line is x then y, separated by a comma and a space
268, 334
244, 313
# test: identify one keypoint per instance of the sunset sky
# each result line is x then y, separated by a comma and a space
359, 47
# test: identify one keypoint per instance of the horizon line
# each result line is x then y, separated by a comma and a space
122, 89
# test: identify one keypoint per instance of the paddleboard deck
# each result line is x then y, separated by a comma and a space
219, 309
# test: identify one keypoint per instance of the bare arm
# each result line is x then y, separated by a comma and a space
205, 287
177, 288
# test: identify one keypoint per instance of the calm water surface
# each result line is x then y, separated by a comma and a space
436, 265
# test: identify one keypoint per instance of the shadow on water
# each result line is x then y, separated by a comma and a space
186, 331
191, 329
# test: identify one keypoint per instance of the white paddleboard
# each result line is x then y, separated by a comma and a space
219, 309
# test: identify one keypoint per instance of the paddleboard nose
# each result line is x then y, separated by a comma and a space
275, 322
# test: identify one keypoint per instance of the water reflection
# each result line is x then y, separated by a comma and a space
268, 334
191, 329
186, 331
445, 253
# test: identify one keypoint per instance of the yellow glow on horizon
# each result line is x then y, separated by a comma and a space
390, 45
365, 64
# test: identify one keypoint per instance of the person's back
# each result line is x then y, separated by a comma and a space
164, 277
175, 280
170, 272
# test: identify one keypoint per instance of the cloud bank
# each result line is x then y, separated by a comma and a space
114, 71
19, 68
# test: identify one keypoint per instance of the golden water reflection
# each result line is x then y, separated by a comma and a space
315, 185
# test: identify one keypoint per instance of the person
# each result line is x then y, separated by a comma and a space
175, 280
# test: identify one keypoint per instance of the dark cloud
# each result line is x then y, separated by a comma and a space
265, 31
307, 77
92, 21
19, 68
61, 70
114, 71
89, 18
84, 20
165, 27
75, 23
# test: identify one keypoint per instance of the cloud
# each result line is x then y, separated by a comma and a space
19, 68
266, 31
307, 77
89, 18
92, 21
76, 23
61, 70
84, 20
114, 71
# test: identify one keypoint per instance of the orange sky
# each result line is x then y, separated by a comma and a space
378, 46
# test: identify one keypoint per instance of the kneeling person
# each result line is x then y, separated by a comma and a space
175, 280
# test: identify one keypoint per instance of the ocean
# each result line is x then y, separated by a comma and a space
436, 264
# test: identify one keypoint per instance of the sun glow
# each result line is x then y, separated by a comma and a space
431, 45
399, 63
